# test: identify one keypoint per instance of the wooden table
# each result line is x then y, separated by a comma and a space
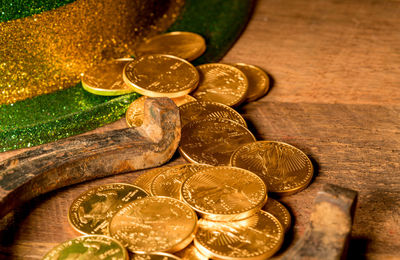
335, 67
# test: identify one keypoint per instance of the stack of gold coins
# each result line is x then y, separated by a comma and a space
217, 206
157, 217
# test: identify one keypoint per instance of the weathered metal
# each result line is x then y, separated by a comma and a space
81, 158
330, 226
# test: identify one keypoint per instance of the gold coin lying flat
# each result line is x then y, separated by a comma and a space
135, 113
185, 45
92, 211
224, 193
284, 168
212, 141
145, 179
106, 79
154, 256
161, 76
154, 224
257, 237
195, 111
179, 101
279, 211
258, 81
89, 247
221, 83
191, 253
168, 183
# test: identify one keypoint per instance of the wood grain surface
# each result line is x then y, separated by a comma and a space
335, 66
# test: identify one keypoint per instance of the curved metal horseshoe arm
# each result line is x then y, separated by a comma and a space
81, 158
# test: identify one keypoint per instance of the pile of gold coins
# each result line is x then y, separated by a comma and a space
217, 205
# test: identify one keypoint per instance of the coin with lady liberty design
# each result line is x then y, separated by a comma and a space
168, 183
221, 83
161, 75
95, 247
154, 224
284, 168
213, 140
195, 111
257, 237
186, 45
92, 211
224, 193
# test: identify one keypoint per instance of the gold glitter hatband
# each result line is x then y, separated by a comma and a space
71, 111
48, 51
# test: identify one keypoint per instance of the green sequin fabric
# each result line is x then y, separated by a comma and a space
15, 9
58, 115
73, 111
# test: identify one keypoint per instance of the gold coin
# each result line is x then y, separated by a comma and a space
92, 211
284, 168
213, 140
258, 81
279, 211
257, 237
224, 193
154, 224
195, 111
135, 113
89, 247
161, 75
183, 100
154, 256
127, 59
145, 179
106, 79
168, 183
191, 253
185, 45
221, 83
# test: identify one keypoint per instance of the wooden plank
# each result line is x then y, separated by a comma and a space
336, 67
354, 146
326, 51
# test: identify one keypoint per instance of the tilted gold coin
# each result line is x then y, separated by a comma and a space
106, 79
213, 140
89, 247
145, 179
258, 81
257, 237
179, 101
135, 113
127, 59
224, 193
154, 224
284, 168
279, 211
186, 45
154, 256
221, 83
195, 111
92, 211
191, 253
161, 75
168, 183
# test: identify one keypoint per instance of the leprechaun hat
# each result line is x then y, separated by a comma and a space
45, 45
